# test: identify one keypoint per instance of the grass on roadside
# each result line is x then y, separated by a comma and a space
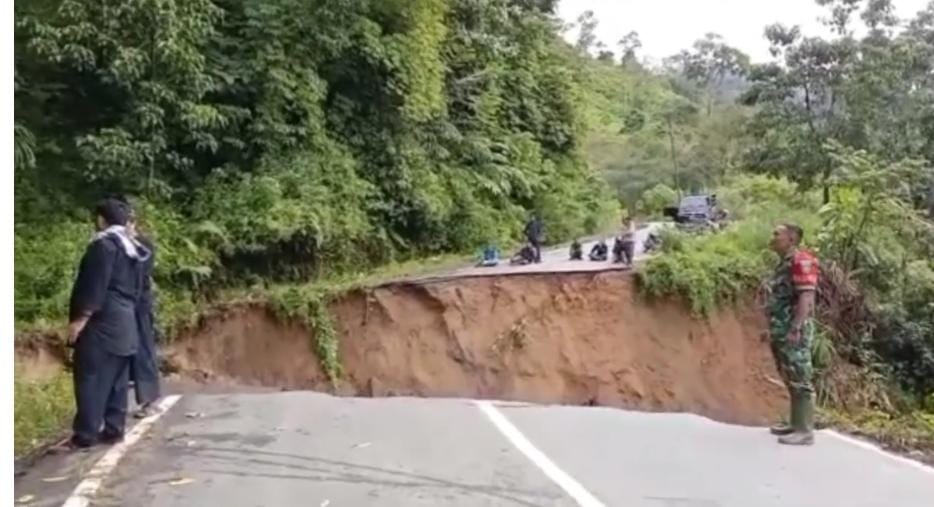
907, 432
41, 410
712, 270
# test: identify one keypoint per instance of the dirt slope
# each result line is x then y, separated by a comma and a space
577, 338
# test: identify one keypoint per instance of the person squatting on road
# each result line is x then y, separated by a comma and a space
103, 327
789, 309
144, 369
535, 234
599, 251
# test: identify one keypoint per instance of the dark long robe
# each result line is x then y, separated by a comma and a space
144, 370
106, 290
535, 233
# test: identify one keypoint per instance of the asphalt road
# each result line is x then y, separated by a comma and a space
310, 449
555, 260
271, 449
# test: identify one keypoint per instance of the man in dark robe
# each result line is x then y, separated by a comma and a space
103, 327
144, 369
577, 251
535, 235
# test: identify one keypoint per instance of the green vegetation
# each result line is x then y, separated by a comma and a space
309, 305
844, 129
909, 431
41, 409
282, 151
713, 270
282, 142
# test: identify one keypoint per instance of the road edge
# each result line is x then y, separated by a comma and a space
82, 494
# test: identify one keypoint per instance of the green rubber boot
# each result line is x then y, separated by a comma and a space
802, 421
781, 428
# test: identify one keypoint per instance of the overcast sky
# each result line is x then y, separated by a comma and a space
667, 26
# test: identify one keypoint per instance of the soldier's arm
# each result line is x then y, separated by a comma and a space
804, 272
803, 308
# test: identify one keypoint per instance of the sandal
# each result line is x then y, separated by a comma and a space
144, 411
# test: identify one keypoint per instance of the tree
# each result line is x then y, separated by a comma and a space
709, 63
145, 61
677, 114
586, 35
282, 139
872, 93
800, 104
629, 45
654, 200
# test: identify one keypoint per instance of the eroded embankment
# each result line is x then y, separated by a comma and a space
576, 338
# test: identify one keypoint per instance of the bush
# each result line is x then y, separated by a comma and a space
744, 195
706, 271
654, 200
45, 259
41, 408
714, 269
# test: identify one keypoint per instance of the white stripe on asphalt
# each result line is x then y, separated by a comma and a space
562, 479
870, 447
81, 496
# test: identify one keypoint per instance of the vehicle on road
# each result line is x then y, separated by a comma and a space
696, 213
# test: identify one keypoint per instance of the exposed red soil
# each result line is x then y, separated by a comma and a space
574, 338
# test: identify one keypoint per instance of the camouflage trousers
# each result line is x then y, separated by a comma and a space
793, 360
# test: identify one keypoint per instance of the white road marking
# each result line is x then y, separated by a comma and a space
558, 476
876, 449
87, 488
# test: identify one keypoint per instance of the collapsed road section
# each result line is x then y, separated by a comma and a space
571, 338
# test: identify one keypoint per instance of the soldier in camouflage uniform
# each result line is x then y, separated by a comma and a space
789, 309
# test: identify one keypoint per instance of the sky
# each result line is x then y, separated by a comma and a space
668, 26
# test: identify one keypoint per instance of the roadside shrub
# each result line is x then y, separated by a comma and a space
41, 409
717, 268
44, 265
654, 200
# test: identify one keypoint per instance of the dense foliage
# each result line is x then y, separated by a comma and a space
850, 116
677, 126
279, 140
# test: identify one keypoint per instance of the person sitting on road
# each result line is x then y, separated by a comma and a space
577, 251
652, 242
525, 256
599, 251
490, 257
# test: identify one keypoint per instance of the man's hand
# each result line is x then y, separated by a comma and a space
74, 329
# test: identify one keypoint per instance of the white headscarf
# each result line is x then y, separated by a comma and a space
133, 248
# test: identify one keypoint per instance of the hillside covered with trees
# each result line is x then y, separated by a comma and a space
279, 142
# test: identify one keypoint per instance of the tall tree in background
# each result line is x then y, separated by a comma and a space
873, 92
629, 46
708, 63
586, 34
